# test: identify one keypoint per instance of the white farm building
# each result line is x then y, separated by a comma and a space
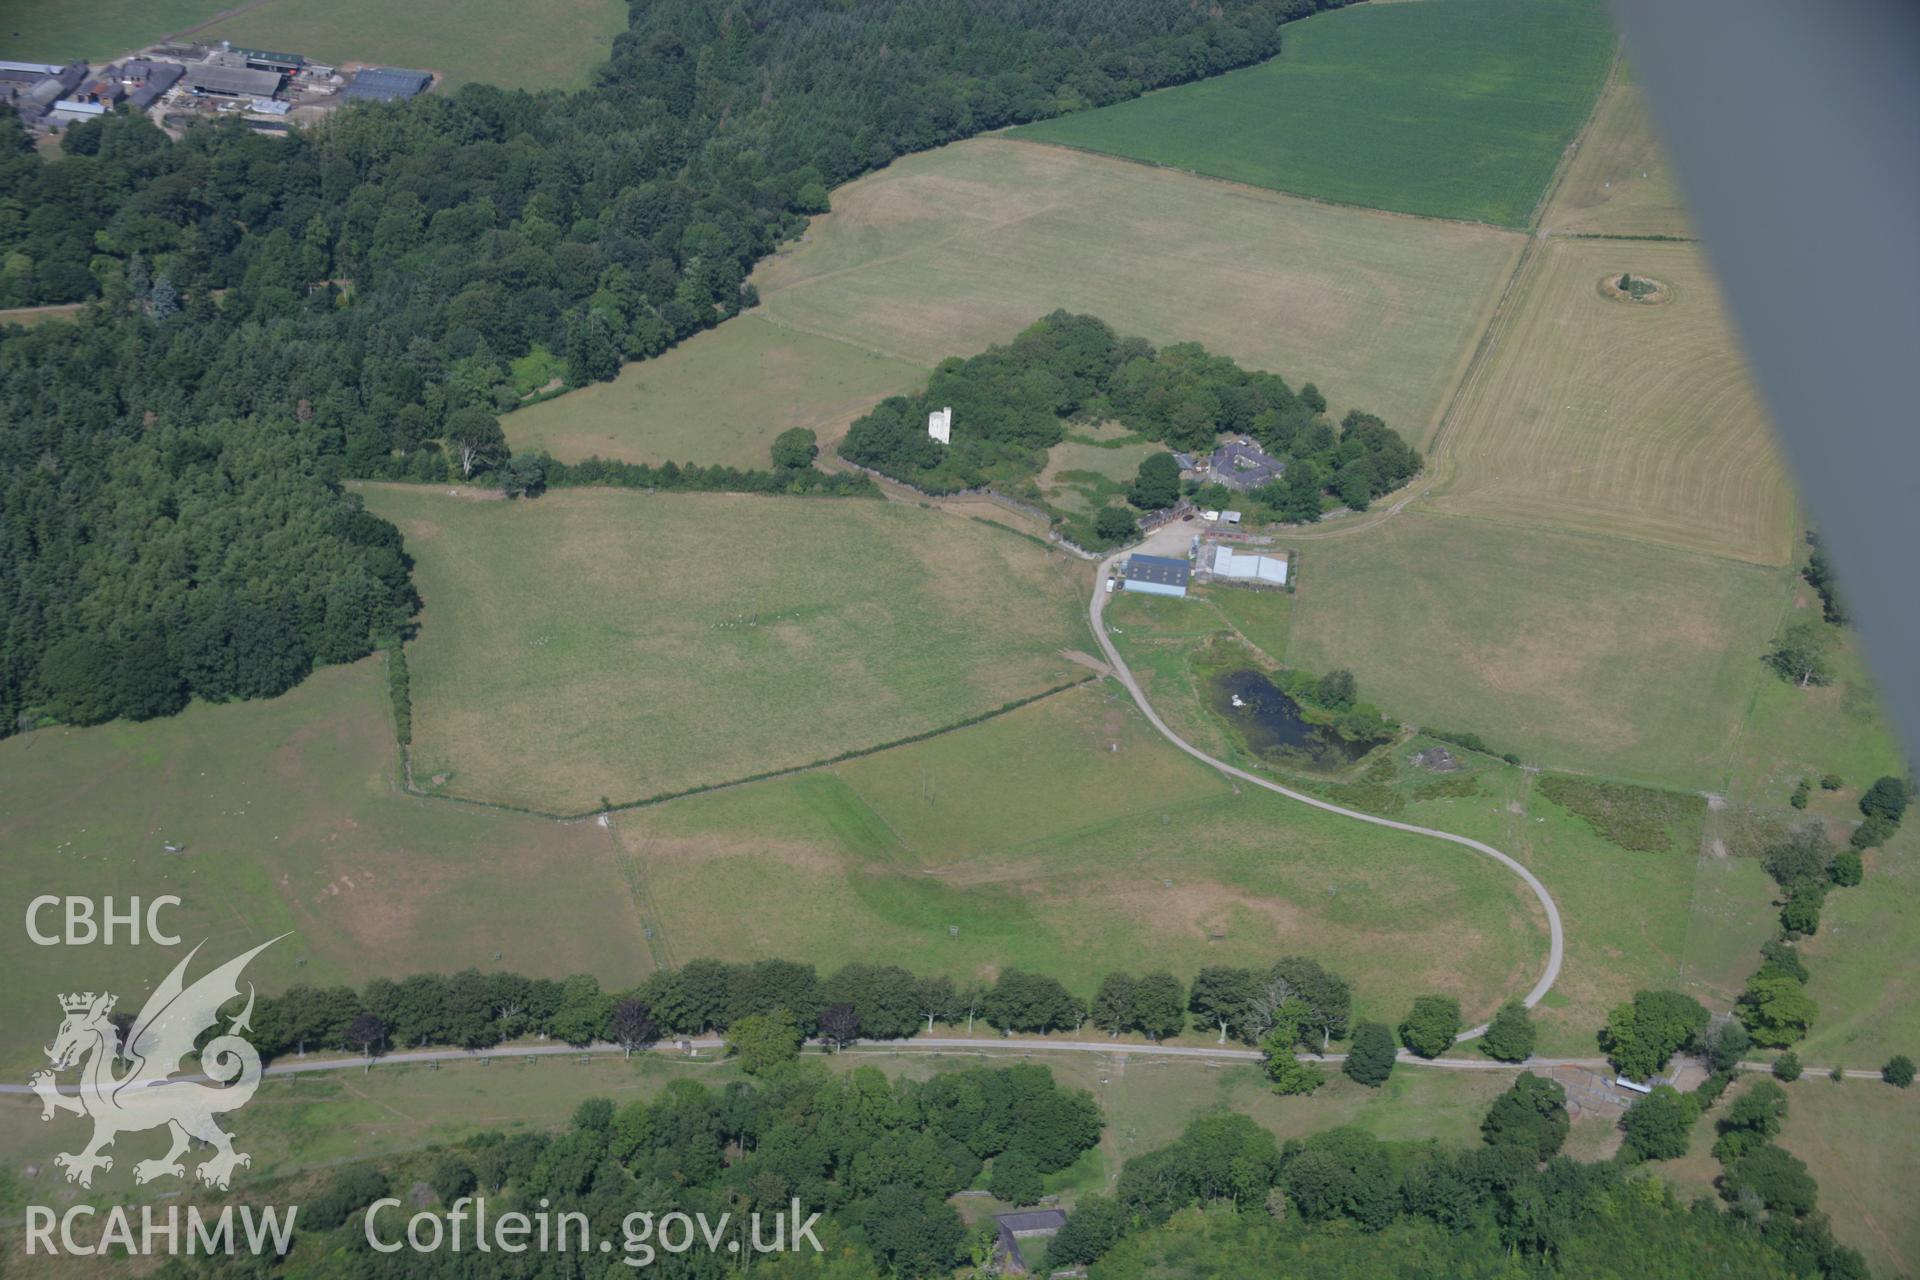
1240, 567
940, 425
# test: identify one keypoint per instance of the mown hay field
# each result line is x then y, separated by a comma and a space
1067, 838
1620, 182
1455, 110
944, 253
719, 398
291, 816
1581, 653
605, 644
1638, 419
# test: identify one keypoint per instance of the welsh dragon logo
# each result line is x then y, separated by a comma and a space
148, 1095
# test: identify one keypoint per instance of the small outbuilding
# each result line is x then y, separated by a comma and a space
1157, 575
940, 425
1012, 1228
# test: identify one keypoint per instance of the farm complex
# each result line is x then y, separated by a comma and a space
1162, 663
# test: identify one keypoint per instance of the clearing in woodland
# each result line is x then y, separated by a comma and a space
1455, 110
1597, 413
944, 253
290, 815
719, 398
606, 644
1068, 838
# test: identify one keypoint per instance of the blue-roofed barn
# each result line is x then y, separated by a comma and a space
1157, 575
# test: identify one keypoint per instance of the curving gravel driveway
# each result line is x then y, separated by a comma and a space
1556, 948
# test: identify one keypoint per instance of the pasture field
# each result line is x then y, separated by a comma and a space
718, 398
1580, 653
861, 863
1796, 733
550, 46
1629, 917
1455, 110
292, 817
1857, 1141
1626, 915
611, 644
95, 32
305, 1124
1263, 617
1864, 971
553, 45
946, 252
1620, 182
1607, 416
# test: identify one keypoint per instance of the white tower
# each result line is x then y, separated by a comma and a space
940, 425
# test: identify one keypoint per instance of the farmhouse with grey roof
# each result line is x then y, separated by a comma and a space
1242, 464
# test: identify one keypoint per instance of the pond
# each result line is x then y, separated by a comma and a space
1272, 725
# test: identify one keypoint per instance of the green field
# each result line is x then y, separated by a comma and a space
1609, 416
293, 818
1047, 838
1583, 654
35, 32
547, 46
552, 45
1084, 475
944, 253
718, 398
1458, 109
1857, 1139
605, 644
1628, 916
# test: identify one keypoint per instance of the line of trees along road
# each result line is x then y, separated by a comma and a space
276, 314
858, 1001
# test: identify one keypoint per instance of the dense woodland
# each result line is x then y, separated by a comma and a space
1011, 403
879, 1159
275, 315
1343, 1204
